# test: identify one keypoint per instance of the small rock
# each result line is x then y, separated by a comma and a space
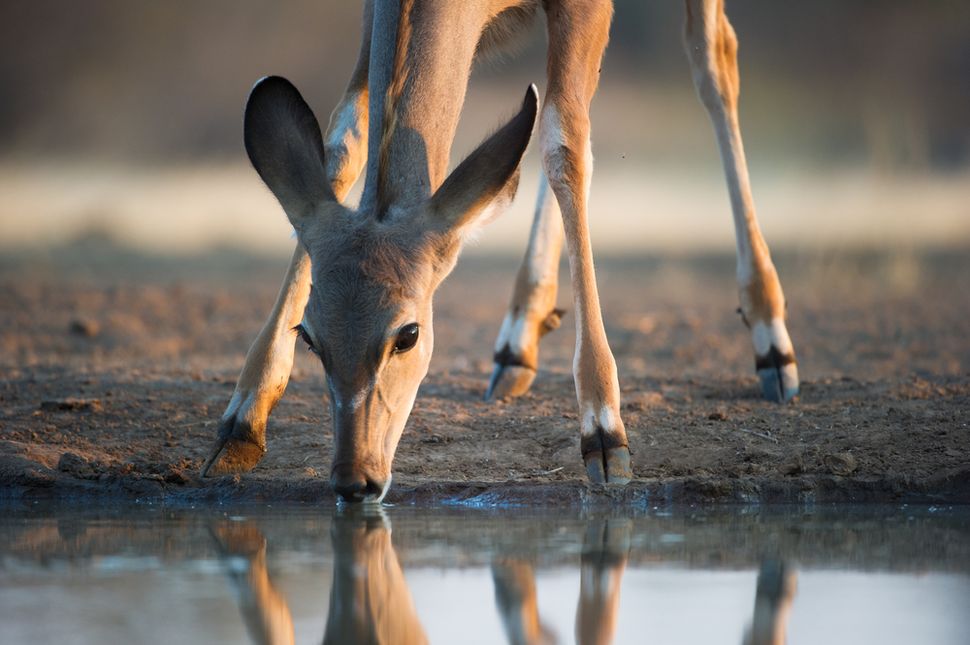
175, 476
84, 327
717, 416
793, 467
73, 464
37, 477
71, 404
841, 463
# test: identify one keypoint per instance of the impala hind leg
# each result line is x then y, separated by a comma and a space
241, 439
532, 313
578, 32
712, 49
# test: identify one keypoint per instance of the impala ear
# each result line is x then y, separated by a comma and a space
285, 146
486, 181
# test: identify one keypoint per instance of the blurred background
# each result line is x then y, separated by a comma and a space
121, 121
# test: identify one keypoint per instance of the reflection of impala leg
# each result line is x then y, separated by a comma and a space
517, 603
712, 49
578, 31
605, 552
263, 607
241, 439
532, 313
772, 604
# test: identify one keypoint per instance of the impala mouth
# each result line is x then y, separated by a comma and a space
359, 490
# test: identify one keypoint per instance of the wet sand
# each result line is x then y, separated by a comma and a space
115, 367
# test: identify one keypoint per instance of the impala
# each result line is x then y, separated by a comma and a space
374, 268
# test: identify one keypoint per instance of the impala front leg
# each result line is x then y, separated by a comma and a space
578, 32
241, 439
532, 313
712, 49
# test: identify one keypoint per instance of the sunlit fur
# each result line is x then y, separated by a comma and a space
376, 269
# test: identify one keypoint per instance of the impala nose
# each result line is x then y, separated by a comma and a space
355, 487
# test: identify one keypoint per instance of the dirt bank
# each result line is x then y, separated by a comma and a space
114, 368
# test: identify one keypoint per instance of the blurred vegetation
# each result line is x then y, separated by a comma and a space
877, 82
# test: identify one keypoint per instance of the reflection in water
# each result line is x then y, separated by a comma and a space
517, 603
605, 550
772, 604
263, 607
370, 601
137, 574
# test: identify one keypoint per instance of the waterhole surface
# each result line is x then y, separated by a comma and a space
306, 574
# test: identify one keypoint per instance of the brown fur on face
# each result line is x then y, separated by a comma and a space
369, 278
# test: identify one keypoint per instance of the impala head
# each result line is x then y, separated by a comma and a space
374, 270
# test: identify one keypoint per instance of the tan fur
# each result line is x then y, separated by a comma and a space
422, 100
241, 441
506, 30
346, 145
375, 269
578, 33
399, 76
712, 47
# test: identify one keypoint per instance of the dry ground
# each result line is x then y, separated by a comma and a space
115, 366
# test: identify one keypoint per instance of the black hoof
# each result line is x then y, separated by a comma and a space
778, 374
607, 460
235, 450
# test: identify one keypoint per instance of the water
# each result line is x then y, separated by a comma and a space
458, 575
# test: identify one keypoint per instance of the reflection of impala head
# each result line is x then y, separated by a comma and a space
369, 600
375, 269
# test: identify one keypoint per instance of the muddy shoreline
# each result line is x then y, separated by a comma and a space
951, 488
115, 367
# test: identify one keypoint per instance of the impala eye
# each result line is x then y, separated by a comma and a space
406, 338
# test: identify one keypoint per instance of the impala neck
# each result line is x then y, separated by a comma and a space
420, 60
